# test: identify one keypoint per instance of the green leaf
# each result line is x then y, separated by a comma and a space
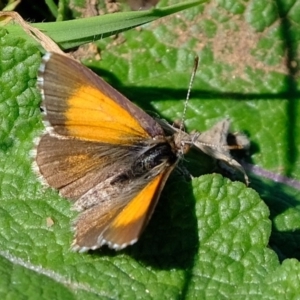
73, 33
208, 239
284, 282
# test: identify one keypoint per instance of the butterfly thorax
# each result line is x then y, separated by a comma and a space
156, 155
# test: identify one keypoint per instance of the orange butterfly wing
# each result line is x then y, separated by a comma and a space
119, 225
79, 104
95, 135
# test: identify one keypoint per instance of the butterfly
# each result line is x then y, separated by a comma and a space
108, 156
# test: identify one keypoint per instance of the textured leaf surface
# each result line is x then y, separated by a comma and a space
73, 33
208, 238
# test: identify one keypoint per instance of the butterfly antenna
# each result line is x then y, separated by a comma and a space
196, 62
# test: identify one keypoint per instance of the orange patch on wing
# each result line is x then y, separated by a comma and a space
138, 207
92, 115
